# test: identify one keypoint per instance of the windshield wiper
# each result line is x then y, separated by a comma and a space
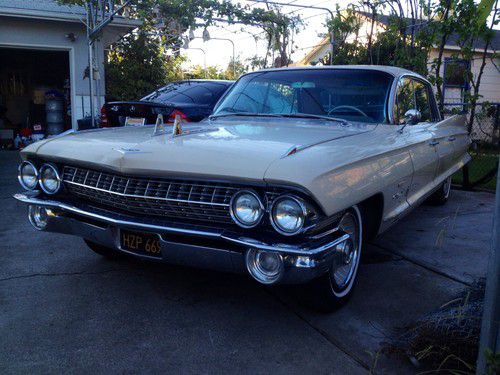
311, 116
253, 114
282, 115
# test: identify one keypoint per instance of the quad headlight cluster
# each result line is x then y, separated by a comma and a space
47, 177
287, 213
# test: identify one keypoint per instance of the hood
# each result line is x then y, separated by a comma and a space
236, 149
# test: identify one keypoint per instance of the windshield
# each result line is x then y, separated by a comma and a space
188, 92
350, 94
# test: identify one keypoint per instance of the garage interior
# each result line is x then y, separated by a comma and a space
35, 95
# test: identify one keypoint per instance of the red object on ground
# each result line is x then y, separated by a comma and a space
25, 132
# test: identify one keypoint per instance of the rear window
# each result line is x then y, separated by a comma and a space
188, 92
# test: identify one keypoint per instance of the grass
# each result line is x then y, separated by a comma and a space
480, 164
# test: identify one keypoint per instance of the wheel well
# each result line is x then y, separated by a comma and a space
372, 210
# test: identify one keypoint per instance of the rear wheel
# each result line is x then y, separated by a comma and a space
440, 196
104, 251
334, 288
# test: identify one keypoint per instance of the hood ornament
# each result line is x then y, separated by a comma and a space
160, 126
177, 128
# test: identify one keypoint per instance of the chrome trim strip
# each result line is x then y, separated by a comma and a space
65, 207
321, 235
144, 196
282, 248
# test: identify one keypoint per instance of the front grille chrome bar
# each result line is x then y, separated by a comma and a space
206, 201
147, 197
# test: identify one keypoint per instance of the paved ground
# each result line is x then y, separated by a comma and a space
62, 308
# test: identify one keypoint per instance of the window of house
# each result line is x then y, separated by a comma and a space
456, 72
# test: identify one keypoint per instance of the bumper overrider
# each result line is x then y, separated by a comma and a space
189, 245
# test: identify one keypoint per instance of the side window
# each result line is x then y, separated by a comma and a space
422, 100
405, 99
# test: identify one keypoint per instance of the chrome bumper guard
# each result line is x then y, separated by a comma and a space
302, 262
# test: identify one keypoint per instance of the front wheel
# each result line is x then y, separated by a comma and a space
334, 288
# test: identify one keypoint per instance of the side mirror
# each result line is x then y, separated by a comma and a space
412, 116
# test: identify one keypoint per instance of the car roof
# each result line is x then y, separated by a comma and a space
392, 70
222, 81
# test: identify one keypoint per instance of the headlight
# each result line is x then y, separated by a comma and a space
27, 175
246, 209
50, 182
288, 215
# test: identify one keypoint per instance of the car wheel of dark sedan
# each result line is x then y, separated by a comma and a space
333, 289
104, 251
440, 196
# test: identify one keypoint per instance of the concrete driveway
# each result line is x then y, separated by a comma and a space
63, 308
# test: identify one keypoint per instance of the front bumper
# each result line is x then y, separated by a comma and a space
188, 245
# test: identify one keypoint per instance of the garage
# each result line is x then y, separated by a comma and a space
35, 94
44, 69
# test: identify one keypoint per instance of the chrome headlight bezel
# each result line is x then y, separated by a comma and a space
20, 175
274, 221
234, 215
57, 179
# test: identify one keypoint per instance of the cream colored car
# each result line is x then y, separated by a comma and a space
295, 169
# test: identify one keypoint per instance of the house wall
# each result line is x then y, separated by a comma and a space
490, 81
41, 34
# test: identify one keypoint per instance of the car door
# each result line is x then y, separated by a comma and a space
442, 132
418, 139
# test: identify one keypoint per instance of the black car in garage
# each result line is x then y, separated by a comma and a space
192, 100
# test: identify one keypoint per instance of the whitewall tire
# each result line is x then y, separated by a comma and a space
334, 288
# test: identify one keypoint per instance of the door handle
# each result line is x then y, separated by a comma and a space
433, 143
451, 139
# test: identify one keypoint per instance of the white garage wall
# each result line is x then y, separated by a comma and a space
41, 34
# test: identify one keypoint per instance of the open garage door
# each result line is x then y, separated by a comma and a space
35, 95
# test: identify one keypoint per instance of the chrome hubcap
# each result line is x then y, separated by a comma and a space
347, 255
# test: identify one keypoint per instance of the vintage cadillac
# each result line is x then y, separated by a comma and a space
293, 172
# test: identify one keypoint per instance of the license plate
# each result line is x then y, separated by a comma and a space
134, 121
141, 243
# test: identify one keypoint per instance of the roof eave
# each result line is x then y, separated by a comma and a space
63, 17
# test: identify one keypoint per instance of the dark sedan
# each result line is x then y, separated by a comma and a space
192, 100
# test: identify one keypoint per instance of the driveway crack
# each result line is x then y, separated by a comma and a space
51, 274
425, 265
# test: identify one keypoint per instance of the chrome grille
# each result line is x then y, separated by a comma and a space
168, 198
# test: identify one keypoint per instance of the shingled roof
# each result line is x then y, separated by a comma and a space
453, 40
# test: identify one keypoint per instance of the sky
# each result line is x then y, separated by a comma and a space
219, 52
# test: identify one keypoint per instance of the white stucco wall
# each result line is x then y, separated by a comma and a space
490, 80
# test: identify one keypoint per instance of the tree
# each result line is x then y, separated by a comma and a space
472, 27
137, 65
345, 28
